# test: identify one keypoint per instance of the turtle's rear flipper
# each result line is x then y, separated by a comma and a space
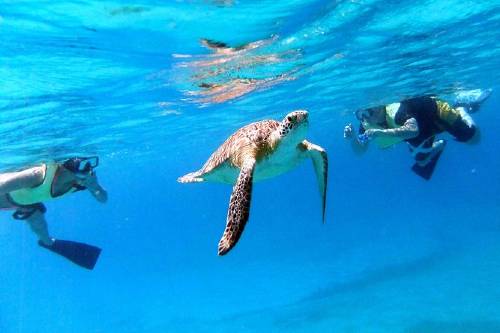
82, 254
426, 171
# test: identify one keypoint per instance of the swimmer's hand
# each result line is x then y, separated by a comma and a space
95, 189
348, 131
368, 135
372, 133
90, 181
363, 139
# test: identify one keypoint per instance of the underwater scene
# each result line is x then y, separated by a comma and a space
249, 166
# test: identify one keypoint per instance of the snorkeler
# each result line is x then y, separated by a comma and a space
417, 121
26, 190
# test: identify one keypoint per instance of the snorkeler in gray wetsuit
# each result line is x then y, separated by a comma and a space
417, 121
26, 190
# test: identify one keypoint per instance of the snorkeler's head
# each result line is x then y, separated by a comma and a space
81, 165
367, 114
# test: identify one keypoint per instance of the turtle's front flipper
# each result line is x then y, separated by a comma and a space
320, 161
239, 208
193, 177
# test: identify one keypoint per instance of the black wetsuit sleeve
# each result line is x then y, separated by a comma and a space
424, 110
402, 116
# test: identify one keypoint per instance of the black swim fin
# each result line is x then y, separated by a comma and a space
82, 254
427, 170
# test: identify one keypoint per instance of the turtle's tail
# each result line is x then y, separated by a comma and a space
192, 177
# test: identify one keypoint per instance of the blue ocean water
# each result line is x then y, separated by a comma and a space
132, 83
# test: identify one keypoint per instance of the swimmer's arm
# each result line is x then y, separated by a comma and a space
12, 181
95, 189
409, 130
100, 194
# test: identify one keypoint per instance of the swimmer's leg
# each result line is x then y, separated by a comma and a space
464, 128
82, 254
471, 100
38, 224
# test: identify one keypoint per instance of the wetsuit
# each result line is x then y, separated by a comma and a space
432, 117
28, 200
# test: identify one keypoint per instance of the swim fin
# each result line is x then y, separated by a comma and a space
426, 171
82, 254
471, 99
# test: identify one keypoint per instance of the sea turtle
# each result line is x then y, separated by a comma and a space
255, 152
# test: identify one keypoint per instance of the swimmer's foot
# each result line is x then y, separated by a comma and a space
82, 254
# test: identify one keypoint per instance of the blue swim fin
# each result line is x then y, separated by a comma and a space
82, 254
427, 170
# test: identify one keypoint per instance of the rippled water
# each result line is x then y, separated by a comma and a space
97, 76
133, 83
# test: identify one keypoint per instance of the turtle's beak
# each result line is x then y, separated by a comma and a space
305, 118
302, 115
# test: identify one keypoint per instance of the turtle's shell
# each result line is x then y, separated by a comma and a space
255, 135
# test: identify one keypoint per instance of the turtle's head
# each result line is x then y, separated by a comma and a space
295, 125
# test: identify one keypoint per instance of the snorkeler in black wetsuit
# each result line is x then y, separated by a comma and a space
417, 121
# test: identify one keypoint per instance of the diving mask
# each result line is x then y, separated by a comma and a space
81, 166
366, 114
